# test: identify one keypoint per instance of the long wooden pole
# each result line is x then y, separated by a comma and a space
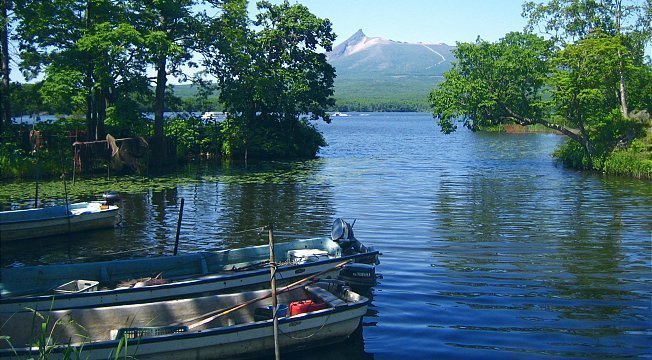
272, 269
210, 316
65, 190
176, 238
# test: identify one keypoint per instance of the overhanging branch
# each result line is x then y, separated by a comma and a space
571, 133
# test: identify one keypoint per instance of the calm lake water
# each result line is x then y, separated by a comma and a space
490, 249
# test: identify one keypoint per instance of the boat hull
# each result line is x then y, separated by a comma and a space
36, 223
235, 336
201, 272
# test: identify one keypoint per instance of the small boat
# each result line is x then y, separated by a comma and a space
56, 220
218, 326
213, 115
64, 286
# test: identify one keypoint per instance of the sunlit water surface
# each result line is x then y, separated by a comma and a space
489, 248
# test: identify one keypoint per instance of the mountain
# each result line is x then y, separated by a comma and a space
374, 69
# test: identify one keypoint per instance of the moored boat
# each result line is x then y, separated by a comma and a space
56, 220
213, 115
106, 283
210, 327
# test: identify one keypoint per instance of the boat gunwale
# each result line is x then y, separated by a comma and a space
68, 215
190, 282
112, 344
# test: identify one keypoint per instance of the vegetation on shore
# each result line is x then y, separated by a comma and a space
95, 59
588, 80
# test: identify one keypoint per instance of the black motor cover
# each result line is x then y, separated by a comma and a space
359, 274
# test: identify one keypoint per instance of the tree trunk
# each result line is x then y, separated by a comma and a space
91, 115
161, 79
623, 90
91, 125
621, 64
101, 113
5, 119
159, 103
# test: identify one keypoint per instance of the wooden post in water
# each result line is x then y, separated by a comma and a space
36, 195
176, 239
272, 269
65, 189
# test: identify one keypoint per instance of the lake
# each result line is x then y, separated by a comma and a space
489, 248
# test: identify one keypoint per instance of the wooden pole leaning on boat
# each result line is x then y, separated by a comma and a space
272, 270
176, 238
210, 316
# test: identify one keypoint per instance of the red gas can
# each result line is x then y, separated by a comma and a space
300, 307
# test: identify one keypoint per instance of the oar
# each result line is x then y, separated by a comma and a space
222, 312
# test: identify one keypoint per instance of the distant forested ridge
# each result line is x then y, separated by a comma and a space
376, 74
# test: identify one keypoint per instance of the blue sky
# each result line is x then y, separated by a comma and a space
430, 21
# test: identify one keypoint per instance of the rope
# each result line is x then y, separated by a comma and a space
309, 336
258, 229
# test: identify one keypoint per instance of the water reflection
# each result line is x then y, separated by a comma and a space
529, 255
223, 207
490, 250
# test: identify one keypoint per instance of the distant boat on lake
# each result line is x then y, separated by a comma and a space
213, 115
56, 220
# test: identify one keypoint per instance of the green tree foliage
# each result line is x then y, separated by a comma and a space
584, 85
169, 29
575, 85
5, 89
90, 42
269, 75
494, 83
569, 21
26, 99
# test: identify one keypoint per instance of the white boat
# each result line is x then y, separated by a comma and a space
56, 220
188, 328
65, 286
213, 115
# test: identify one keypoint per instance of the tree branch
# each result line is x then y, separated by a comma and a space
571, 133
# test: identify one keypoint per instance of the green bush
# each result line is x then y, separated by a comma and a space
630, 161
195, 137
268, 138
571, 154
633, 161
126, 121
19, 160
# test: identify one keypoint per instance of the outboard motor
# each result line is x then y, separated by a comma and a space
342, 234
111, 197
359, 275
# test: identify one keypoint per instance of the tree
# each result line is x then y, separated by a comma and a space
270, 75
568, 21
169, 30
523, 79
493, 83
5, 103
87, 49
584, 85
84, 39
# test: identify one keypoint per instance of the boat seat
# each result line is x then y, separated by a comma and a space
325, 296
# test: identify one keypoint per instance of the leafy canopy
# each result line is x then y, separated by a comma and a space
270, 75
